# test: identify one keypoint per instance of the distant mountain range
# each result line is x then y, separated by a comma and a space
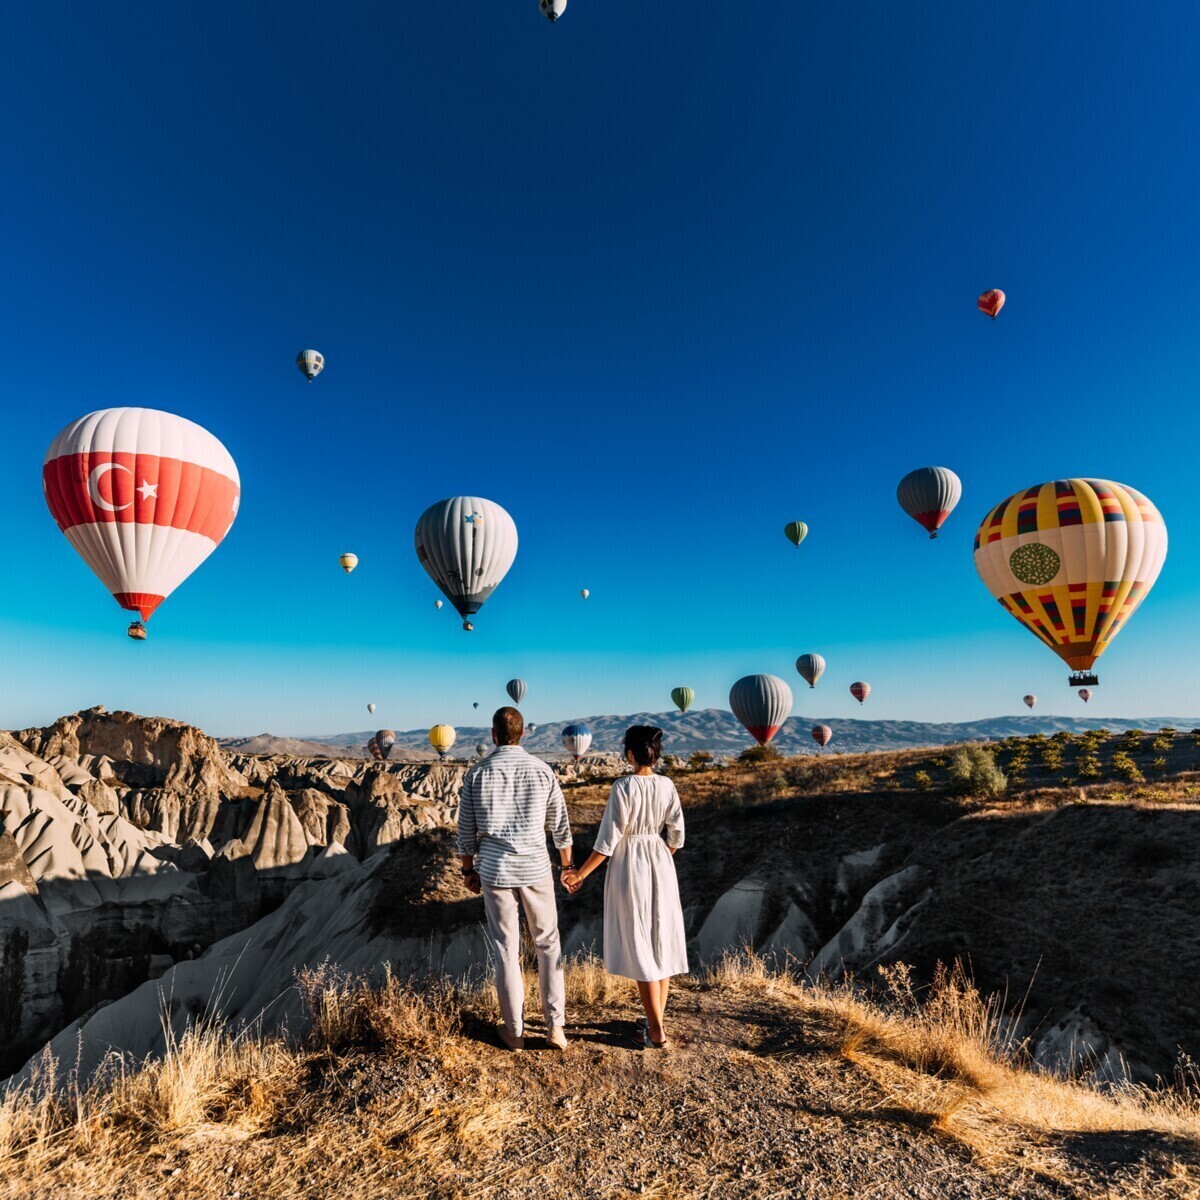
715, 730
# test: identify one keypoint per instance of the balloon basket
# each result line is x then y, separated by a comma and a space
1083, 679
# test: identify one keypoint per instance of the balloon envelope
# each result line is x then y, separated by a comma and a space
1030, 701
311, 364
348, 562
584, 593
1085, 694
682, 698
811, 668
860, 691
577, 738
516, 689
822, 734
370, 708
1072, 559
552, 9
144, 497
467, 545
795, 532
482, 749
929, 496
991, 302
385, 739
762, 704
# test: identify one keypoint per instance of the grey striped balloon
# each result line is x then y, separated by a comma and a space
466, 544
762, 704
929, 495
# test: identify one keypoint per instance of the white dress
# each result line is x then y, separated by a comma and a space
643, 919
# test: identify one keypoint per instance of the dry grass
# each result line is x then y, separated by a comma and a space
943, 1055
395, 1079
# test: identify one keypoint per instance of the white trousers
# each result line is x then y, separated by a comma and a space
504, 931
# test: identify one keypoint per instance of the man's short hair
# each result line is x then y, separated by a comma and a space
508, 725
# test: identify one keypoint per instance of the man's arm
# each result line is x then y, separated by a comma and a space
467, 825
558, 823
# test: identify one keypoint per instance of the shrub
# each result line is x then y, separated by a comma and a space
1052, 756
759, 754
700, 759
1126, 768
973, 772
923, 780
1087, 765
1159, 764
1161, 745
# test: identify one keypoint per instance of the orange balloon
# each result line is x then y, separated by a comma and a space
991, 302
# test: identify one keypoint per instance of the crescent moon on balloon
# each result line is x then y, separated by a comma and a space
94, 486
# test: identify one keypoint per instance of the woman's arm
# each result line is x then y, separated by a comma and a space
611, 830
573, 880
674, 820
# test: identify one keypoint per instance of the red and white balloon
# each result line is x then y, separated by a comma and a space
144, 496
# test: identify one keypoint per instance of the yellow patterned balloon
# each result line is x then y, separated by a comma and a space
1071, 560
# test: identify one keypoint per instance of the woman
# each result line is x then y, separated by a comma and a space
644, 938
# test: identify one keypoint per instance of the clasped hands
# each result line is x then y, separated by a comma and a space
571, 880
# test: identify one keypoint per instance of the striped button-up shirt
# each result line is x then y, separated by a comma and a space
508, 802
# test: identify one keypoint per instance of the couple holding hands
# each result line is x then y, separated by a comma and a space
508, 802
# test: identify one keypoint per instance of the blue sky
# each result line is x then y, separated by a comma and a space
658, 279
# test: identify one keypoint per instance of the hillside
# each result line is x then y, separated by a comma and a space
719, 732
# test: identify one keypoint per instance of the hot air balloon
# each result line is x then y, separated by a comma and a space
370, 708
466, 544
373, 750
516, 689
1072, 559
441, 738
991, 302
1030, 701
860, 691
584, 593
576, 739
531, 729
682, 698
811, 668
822, 735
348, 562
144, 497
311, 364
929, 495
482, 749
437, 604
1085, 694
552, 9
762, 704
385, 739
475, 705
795, 532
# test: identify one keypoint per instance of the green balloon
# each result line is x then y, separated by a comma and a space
683, 697
795, 532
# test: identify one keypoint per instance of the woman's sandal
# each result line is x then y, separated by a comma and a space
648, 1042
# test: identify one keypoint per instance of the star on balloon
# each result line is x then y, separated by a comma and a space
148, 490
474, 518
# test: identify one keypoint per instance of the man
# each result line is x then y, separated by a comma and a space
508, 802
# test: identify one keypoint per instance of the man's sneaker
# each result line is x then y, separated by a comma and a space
557, 1037
514, 1041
